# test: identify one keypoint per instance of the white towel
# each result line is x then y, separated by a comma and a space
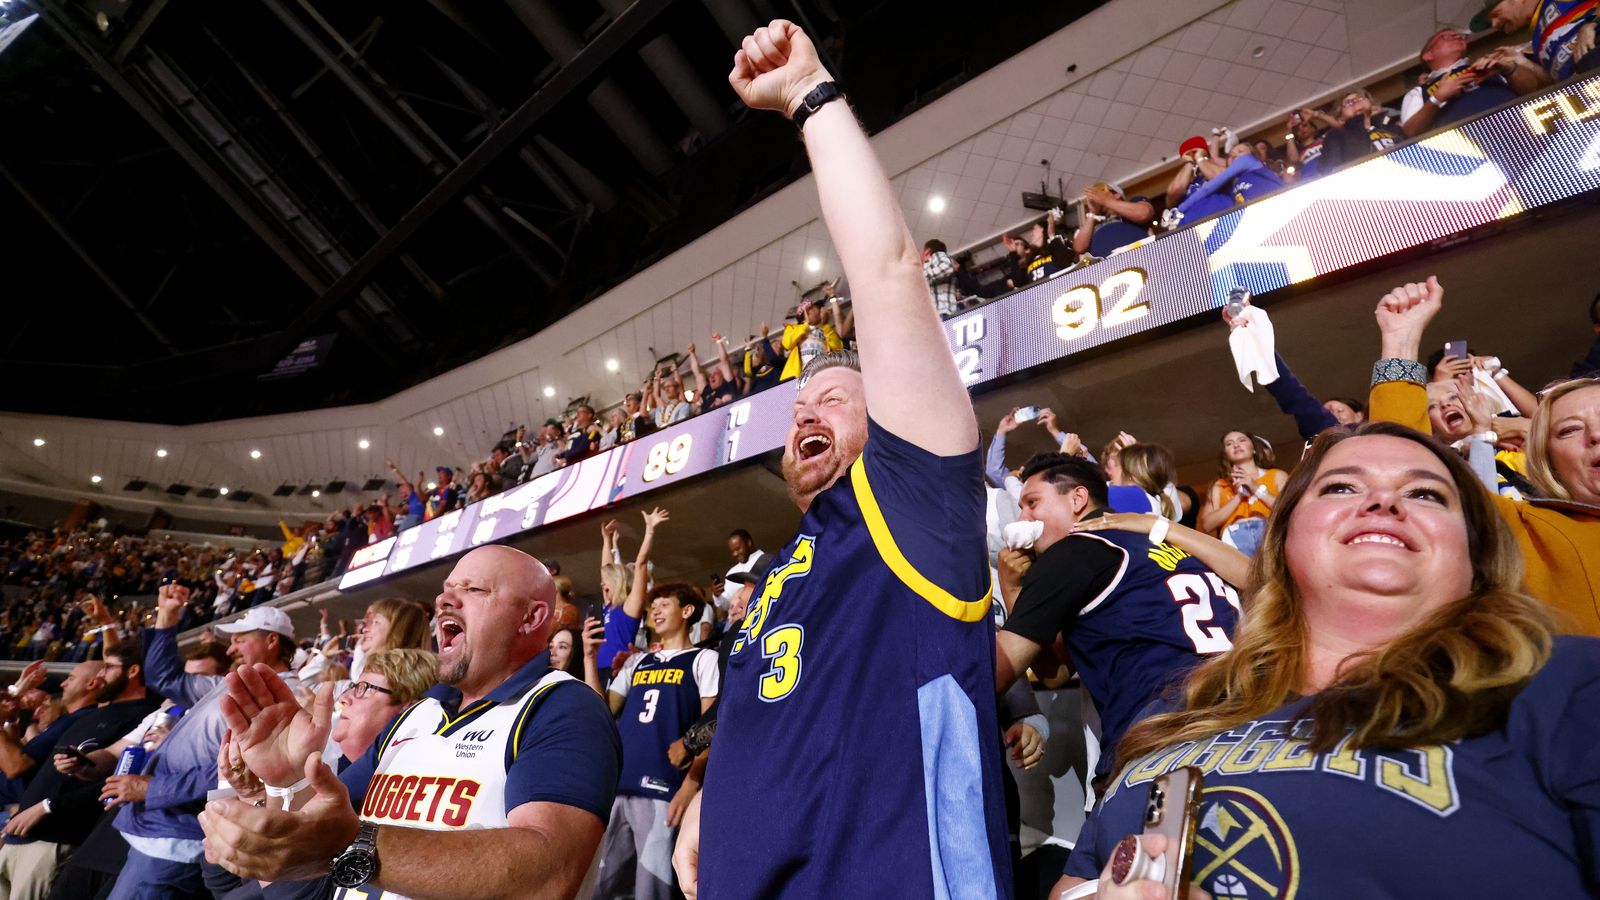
1252, 345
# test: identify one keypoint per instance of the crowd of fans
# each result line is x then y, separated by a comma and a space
1296, 627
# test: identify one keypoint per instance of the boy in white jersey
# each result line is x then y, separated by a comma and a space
498, 779
657, 696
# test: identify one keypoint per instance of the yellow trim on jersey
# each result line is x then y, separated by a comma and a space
883, 539
462, 716
522, 717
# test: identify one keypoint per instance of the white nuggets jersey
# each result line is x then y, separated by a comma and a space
440, 773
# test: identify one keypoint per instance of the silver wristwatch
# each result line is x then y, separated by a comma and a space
358, 864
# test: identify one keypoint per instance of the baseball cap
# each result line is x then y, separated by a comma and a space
261, 618
1195, 143
743, 577
445, 469
1480, 22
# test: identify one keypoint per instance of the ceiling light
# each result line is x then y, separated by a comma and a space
160, 453
223, 490
936, 204
813, 264
38, 442
94, 479
316, 493
255, 454
549, 391
438, 431
363, 443
1258, 52
612, 365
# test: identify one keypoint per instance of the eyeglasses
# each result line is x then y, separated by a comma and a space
362, 688
1352, 101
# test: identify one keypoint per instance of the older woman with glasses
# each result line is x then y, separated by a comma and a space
1395, 719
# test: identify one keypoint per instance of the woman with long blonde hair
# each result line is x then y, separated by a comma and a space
1392, 695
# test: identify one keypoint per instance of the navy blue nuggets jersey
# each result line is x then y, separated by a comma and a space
857, 752
663, 690
1513, 813
1136, 617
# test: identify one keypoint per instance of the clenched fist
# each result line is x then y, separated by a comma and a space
776, 67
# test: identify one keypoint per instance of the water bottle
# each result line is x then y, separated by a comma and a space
1237, 298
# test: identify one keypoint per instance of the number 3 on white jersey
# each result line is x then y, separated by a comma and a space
1194, 592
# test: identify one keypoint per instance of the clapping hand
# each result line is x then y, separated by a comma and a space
273, 732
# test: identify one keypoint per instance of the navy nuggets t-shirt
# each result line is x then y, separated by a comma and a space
1515, 813
857, 752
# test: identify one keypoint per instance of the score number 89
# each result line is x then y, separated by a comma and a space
667, 458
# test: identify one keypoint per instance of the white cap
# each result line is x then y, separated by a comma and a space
261, 618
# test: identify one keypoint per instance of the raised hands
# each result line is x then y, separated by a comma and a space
273, 733
1404, 313
653, 518
776, 67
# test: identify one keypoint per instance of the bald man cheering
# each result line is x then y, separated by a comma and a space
496, 783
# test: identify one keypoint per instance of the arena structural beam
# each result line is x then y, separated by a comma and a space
59, 18
83, 253
135, 35
418, 147
584, 68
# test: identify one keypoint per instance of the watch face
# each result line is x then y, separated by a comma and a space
354, 867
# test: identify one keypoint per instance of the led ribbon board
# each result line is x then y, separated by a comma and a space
1537, 152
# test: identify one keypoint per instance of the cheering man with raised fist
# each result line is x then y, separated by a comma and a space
857, 753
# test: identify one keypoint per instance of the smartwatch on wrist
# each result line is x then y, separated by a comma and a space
820, 95
358, 864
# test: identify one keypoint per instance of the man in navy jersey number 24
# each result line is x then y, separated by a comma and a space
857, 753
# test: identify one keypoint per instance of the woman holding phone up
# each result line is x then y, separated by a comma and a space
1395, 719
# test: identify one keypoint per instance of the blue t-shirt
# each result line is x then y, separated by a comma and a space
1514, 813
1208, 205
1245, 179
1555, 26
1136, 618
663, 690
620, 631
857, 751
1117, 232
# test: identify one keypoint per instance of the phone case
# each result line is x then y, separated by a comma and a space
1173, 810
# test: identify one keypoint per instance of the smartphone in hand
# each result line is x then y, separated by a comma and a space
1174, 810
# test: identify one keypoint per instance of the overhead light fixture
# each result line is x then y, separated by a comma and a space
374, 484
208, 493
549, 391
316, 493
255, 454
240, 496
813, 264
335, 486
283, 490
936, 204
137, 484
1258, 52
160, 453
95, 479
178, 489
612, 365
38, 442
438, 431
223, 490
363, 443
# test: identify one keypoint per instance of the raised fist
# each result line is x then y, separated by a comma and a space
776, 67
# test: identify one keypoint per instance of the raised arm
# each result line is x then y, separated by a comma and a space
898, 332
634, 607
723, 360
695, 370
400, 477
1398, 379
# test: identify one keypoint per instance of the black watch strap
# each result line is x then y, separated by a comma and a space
813, 101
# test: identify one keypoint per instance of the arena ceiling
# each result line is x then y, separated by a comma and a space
197, 188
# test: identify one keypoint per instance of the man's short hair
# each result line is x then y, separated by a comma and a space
833, 359
584, 406
936, 246
128, 653
742, 534
1068, 472
687, 595
217, 653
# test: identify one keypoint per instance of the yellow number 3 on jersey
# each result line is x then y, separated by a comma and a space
782, 646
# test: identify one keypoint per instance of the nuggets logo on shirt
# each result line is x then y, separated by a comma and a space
783, 644
1244, 848
396, 797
